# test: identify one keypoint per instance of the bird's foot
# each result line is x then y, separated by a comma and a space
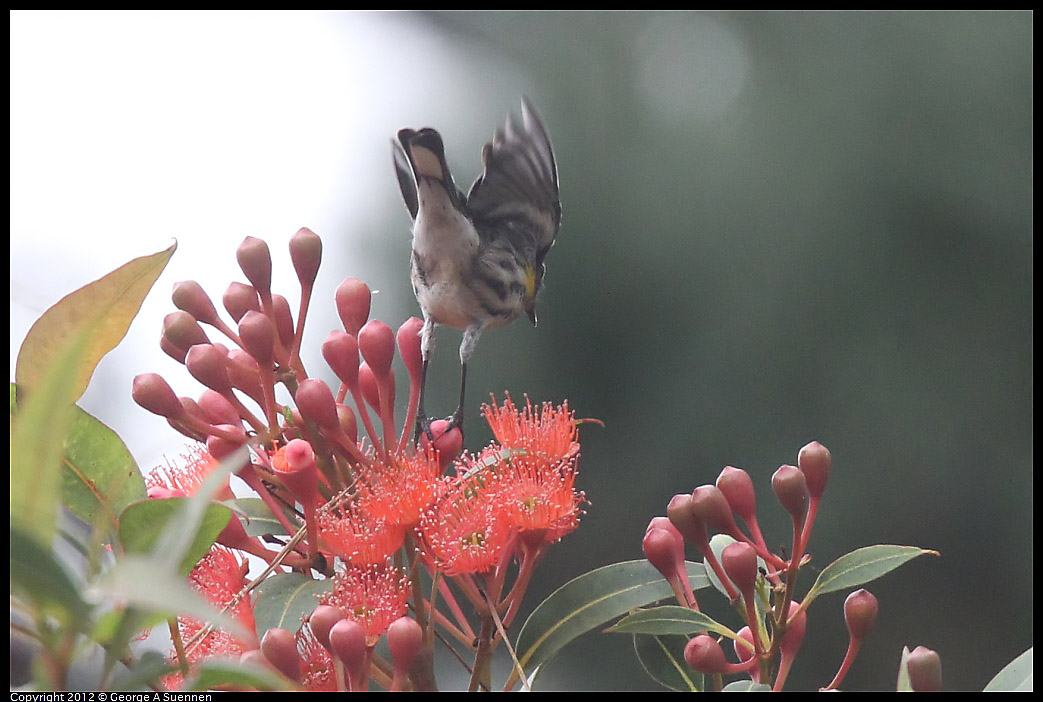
456, 420
423, 426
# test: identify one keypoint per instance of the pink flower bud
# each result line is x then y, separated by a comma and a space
167, 347
925, 670
737, 488
680, 513
341, 351
283, 319
348, 423
791, 489
322, 621
377, 344
794, 635
744, 653
704, 654
258, 336
220, 447
239, 299
216, 408
256, 261
256, 657
370, 386
711, 507
405, 639
244, 374
447, 444
409, 347
280, 648
299, 473
206, 363
860, 610
306, 254
182, 331
660, 549
315, 401
353, 300
665, 523
154, 394
740, 563
189, 296
814, 462
348, 643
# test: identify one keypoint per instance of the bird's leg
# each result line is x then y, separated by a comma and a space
471, 335
427, 342
457, 418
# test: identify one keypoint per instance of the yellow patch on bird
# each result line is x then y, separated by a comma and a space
530, 282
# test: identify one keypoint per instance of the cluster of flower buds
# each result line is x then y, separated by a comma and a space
334, 463
746, 563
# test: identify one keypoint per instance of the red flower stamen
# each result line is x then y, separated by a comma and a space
548, 431
359, 537
373, 595
462, 531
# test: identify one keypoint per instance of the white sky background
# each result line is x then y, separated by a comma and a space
131, 129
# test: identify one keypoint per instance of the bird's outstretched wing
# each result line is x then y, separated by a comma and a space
520, 181
406, 181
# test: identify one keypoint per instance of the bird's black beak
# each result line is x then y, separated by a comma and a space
530, 312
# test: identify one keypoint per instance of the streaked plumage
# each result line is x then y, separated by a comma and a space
478, 261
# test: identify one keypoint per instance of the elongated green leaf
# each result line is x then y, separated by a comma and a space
257, 519
669, 619
142, 523
216, 673
590, 601
182, 531
102, 311
143, 583
145, 671
1016, 676
662, 657
861, 566
38, 430
38, 577
284, 600
99, 476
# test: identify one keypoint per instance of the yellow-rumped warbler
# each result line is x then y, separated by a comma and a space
478, 260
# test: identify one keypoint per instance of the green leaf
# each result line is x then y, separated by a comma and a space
746, 686
214, 673
669, 619
861, 566
142, 583
110, 625
284, 600
38, 429
99, 476
142, 523
1016, 676
257, 519
662, 657
591, 601
38, 577
144, 672
101, 311
719, 542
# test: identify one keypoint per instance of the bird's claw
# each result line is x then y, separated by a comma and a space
423, 426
